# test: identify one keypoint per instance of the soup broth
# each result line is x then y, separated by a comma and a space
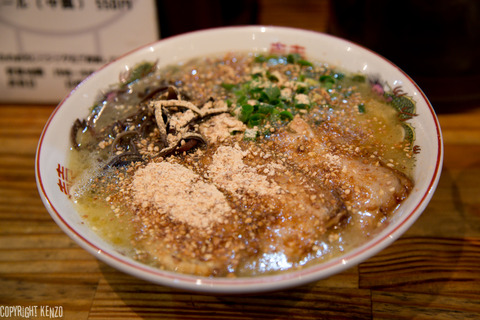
242, 164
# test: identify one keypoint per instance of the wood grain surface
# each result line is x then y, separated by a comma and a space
431, 272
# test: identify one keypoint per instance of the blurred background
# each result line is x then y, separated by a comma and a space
436, 42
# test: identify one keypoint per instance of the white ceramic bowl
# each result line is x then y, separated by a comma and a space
52, 172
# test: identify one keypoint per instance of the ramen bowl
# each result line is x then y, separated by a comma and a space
53, 171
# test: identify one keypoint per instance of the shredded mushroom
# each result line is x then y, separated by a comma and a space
165, 110
180, 121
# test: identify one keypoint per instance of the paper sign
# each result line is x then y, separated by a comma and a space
47, 47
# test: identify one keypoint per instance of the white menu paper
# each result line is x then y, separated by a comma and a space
47, 47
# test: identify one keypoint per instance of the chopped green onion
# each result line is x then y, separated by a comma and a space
266, 108
271, 94
260, 59
255, 119
305, 63
327, 79
286, 115
228, 86
358, 78
361, 108
242, 99
141, 70
301, 89
302, 106
271, 77
245, 113
293, 57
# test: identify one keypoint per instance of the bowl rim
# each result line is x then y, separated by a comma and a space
257, 283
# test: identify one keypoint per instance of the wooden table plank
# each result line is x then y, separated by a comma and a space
426, 265
391, 305
126, 297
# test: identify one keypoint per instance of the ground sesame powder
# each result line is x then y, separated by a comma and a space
179, 192
229, 172
221, 127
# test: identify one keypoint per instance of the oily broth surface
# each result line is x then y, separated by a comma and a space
95, 208
378, 127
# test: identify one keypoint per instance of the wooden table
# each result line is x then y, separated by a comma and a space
431, 272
